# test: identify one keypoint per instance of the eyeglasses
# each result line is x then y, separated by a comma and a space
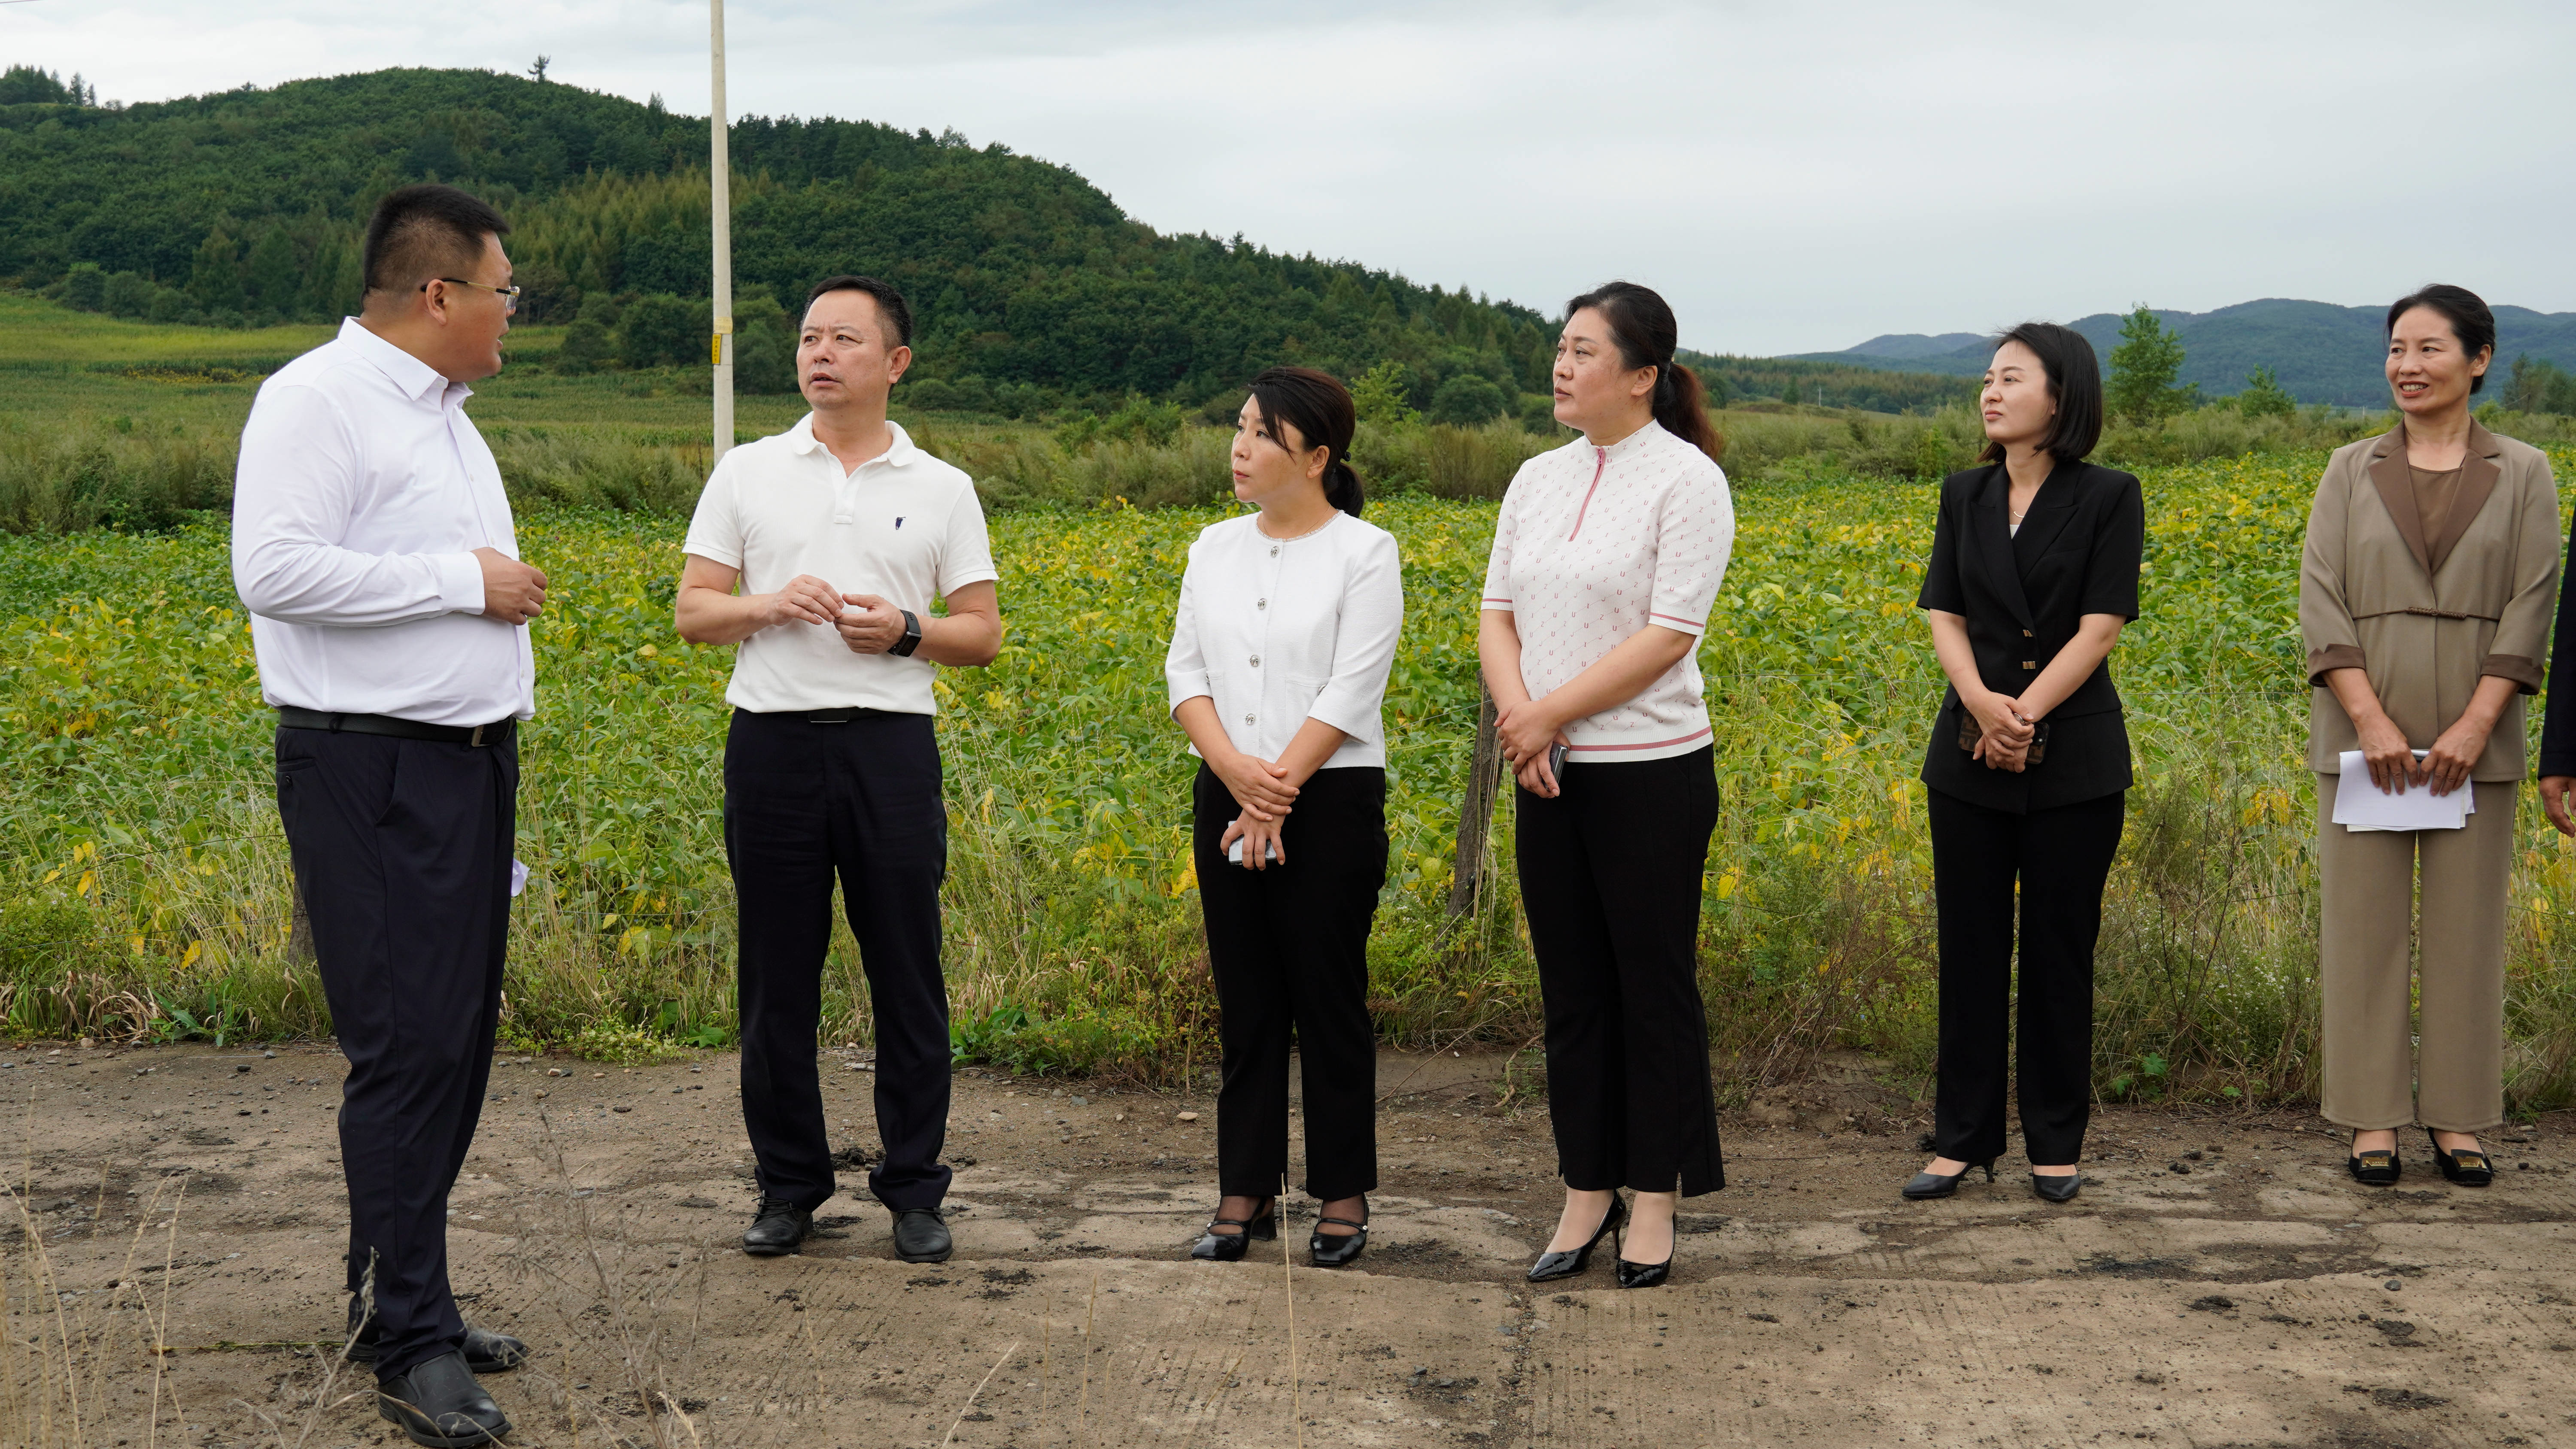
509, 295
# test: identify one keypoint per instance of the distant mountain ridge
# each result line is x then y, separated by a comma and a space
2321, 352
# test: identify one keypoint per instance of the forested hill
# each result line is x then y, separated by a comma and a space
247, 206
2319, 351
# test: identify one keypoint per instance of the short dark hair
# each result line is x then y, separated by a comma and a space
2472, 321
2074, 382
1320, 409
890, 303
426, 231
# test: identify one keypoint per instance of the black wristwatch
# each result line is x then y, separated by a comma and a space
902, 648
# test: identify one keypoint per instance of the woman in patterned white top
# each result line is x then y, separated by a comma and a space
1607, 555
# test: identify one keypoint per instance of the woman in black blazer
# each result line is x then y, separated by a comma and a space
2034, 570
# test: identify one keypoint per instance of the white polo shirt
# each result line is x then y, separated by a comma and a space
905, 526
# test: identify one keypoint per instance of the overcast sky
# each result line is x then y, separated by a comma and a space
1794, 177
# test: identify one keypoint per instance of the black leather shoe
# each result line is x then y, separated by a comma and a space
1925, 1185
1337, 1250
2466, 1166
1216, 1247
777, 1228
1552, 1266
2059, 1188
921, 1236
1644, 1275
485, 1352
2375, 1169
439, 1404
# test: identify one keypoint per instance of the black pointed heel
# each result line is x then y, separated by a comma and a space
2466, 1166
1641, 1275
1216, 1247
1923, 1186
1337, 1250
2057, 1189
1552, 1266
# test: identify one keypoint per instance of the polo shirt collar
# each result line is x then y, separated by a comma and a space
414, 378
898, 453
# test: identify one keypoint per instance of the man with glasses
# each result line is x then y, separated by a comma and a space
374, 548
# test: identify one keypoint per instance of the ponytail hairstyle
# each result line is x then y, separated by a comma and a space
1320, 409
1643, 327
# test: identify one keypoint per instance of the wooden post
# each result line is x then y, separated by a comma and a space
1476, 808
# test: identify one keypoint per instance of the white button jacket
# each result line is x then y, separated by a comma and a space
361, 494
1277, 631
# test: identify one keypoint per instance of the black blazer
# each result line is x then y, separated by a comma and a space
2024, 595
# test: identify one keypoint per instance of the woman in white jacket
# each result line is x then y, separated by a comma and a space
1285, 633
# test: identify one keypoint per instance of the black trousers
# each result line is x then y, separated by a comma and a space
1288, 945
402, 850
1610, 880
2061, 858
804, 803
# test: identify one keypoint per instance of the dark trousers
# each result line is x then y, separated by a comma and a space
1610, 879
805, 803
2061, 858
402, 851
1288, 945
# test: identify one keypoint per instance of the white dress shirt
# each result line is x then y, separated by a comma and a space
362, 492
903, 526
1279, 631
1591, 546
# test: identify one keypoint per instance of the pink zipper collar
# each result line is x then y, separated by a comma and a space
1600, 461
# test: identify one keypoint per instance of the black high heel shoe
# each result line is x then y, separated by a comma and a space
1216, 1247
2058, 1188
1646, 1275
1925, 1185
1552, 1266
1337, 1250
2466, 1166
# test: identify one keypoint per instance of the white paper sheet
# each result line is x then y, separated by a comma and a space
2361, 805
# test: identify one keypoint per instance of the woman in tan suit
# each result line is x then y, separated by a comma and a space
2424, 600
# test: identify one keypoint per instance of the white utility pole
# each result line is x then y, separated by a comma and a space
720, 178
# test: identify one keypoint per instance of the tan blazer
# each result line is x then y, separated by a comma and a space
2428, 617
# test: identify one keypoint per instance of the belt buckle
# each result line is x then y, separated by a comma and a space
477, 740
831, 716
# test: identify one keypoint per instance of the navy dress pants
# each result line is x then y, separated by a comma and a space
402, 850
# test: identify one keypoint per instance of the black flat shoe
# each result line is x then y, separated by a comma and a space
921, 1236
1644, 1275
1552, 1266
1337, 1250
1925, 1185
2057, 1189
777, 1227
2375, 1169
485, 1352
438, 1403
1216, 1247
2466, 1166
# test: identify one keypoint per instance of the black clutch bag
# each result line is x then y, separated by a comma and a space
1970, 732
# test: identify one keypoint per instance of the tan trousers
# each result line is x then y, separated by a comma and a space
2375, 1076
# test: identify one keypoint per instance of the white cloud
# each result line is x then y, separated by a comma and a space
1793, 177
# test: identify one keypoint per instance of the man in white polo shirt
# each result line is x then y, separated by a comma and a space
840, 534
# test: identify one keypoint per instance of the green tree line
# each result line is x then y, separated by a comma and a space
1030, 286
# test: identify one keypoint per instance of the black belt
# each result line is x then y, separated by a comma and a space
842, 715
294, 718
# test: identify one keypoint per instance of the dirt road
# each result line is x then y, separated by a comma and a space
2221, 1282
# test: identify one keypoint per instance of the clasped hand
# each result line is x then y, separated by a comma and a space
866, 623
2004, 743
513, 592
1261, 787
1526, 731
